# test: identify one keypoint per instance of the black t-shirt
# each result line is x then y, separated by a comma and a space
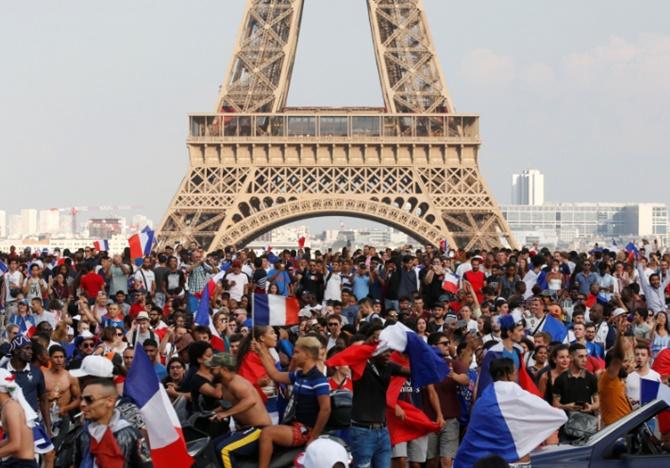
369, 403
575, 389
199, 401
161, 273
432, 291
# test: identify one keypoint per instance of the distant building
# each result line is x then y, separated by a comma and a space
105, 228
528, 188
569, 223
49, 222
3, 224
15, 227
29, 225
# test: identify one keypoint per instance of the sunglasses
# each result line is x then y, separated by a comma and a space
119, 334
175, 367
334, 324
87, 345
89, 399
443, 343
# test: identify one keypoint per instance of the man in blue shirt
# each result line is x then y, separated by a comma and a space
361, 282
585, 278
279, 276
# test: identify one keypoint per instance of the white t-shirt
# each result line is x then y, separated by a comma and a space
15, 279
633, 386
333, 290
146, 278
237, 289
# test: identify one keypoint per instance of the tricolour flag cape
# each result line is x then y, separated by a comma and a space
274, 310
426, 366
168, 447
416, 423
525, 380
507, 421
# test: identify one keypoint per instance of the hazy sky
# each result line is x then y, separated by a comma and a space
94, 95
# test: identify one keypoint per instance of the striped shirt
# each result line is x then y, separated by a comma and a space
307, 388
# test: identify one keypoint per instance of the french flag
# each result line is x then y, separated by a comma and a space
101, 245
274, 310
555, 328
202, 318
426, 366
450, 283
3, 268
633, 252
168, 447
141, 243
509, 422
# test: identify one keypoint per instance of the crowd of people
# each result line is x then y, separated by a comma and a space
73, 320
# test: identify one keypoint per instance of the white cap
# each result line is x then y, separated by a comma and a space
324, 452
94, 366
618, 311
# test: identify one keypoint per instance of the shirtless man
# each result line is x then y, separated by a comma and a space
247, 408
17, 446
62, 388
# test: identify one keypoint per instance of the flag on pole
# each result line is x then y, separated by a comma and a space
168, 446
555, 328
301, 242
274, 310
509, 422
101, 245
202, 318
141, 243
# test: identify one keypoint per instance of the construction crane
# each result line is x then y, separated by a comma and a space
75, 210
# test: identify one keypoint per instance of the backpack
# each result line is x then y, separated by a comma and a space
341, 402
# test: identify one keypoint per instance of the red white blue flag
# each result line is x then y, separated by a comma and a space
275, 310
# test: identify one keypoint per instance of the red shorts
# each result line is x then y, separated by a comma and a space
301, 434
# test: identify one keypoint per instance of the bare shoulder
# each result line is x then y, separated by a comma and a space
240, 386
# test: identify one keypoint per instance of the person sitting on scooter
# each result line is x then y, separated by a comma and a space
247, 409
312, 399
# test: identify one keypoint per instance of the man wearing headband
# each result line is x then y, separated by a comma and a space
18, 450
31, 381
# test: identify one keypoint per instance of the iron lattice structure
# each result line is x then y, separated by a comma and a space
256, 164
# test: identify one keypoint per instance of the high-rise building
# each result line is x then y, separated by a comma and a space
49, 221
528, 188
3, 224
29, 222
15, 227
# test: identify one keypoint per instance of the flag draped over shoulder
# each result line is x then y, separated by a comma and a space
252, 369
426, 366
415, 424
168, 447
356, 357
509, 422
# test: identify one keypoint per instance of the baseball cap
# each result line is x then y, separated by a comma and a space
94, 366
225, 360
324, 452
142, 316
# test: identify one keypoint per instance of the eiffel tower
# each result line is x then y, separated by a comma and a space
256, 164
